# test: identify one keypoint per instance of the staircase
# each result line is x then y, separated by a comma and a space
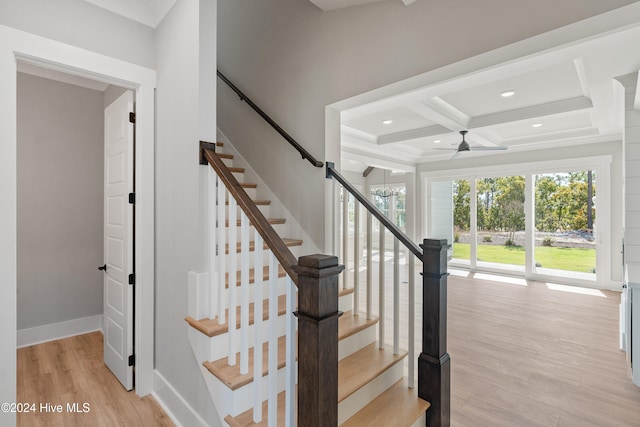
255, 294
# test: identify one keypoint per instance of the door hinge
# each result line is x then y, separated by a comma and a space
132, 279
132, 117
132, 360
132, 198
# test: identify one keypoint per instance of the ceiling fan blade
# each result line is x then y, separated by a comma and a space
455, 155
446, 149
487, 147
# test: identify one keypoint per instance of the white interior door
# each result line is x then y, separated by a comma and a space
118, 239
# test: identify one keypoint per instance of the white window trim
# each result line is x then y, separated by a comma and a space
600, 164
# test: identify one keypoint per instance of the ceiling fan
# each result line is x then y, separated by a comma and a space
464, 146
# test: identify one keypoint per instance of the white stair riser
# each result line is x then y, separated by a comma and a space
237, 401
263, 208
361, 398
219, 345
345, 303
356, 342
281, 284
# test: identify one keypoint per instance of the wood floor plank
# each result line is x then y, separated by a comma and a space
528, 355
71, 371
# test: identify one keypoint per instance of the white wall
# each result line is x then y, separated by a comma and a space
293, 59
179, 233
84, 25
60, 201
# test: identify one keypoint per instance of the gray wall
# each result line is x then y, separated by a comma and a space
60, 200
84, 25
293, 59
179, 237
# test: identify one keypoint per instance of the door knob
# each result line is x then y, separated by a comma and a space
103, 268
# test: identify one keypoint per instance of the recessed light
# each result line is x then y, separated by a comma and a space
437, 141
507, 93
387, 122
536, 125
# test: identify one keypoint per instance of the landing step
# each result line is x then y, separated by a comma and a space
231, 376
398, 406
252, 275
358, 369
252, 245
211, 327
272, 221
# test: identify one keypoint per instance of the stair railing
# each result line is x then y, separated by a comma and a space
311, 288
304, 153
433, 361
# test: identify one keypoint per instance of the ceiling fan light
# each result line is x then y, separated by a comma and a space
507, 93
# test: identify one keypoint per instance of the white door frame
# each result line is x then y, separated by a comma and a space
19, 45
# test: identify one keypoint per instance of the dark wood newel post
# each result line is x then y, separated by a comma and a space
434, 370
318, 340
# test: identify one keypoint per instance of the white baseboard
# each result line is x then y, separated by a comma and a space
56, 331
180, 412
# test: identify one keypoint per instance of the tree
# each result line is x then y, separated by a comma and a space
461, 204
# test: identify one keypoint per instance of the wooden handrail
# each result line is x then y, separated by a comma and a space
400, 235
304, 153
257, 219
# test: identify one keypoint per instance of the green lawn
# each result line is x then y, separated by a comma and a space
583, 260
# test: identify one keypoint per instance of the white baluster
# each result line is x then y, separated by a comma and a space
345, 237
356, 259
381, 320
396, 296
257, 324
244, 293
412, 316
233, 268
221, 260
290, 407
273, 340
369, 262
212, 180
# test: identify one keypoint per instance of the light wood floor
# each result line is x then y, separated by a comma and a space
71, 371
532, 356
525, 355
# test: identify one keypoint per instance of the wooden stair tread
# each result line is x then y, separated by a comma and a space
343, 292
257, 202
359, 368
231, 376
252, 275
398, 406
248, 185
272, 221
233, 169
225, 155
348, 324
245, 419
211, 327
252, 245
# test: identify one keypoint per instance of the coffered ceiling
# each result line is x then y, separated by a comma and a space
553, 99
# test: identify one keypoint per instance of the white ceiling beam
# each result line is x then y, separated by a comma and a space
540, 110
636, 102
410, 134
443, 113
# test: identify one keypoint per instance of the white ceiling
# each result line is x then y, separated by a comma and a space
147, 12
569, 94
